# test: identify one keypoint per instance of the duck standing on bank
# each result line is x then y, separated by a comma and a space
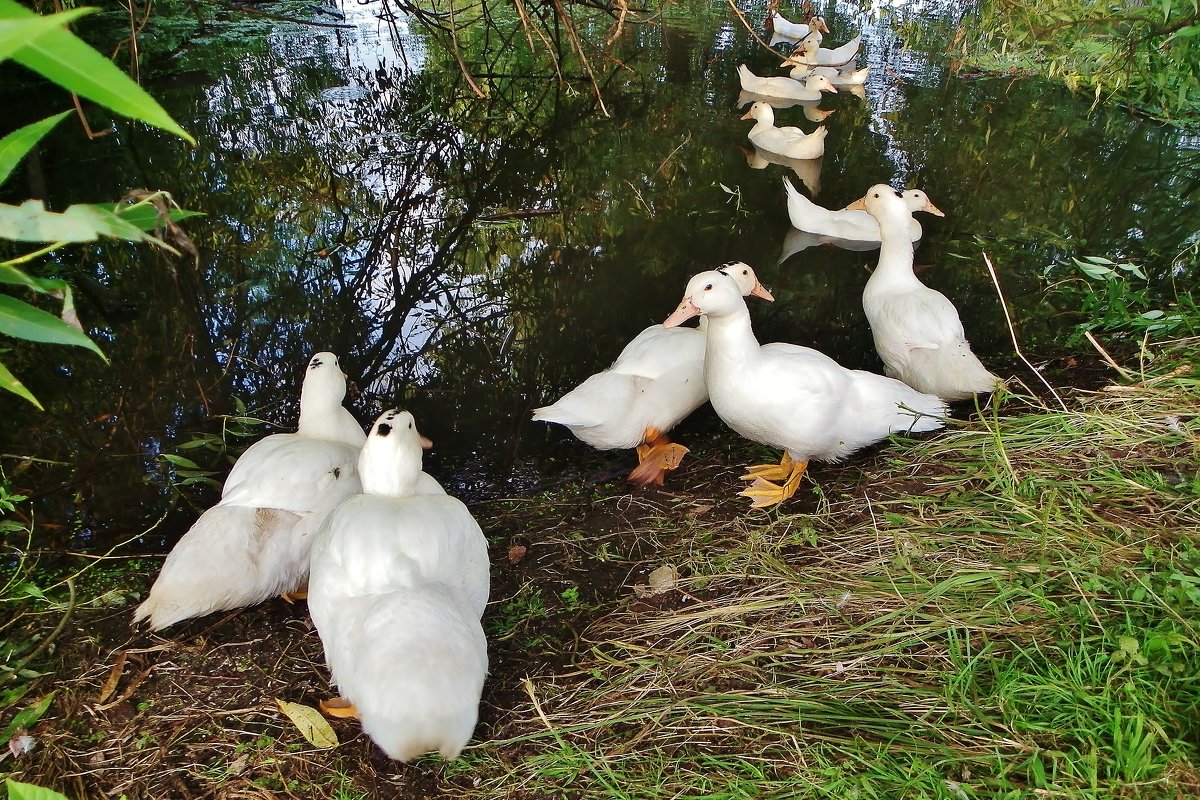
917, 330
400, 578
791, 397
656, 381
254, 543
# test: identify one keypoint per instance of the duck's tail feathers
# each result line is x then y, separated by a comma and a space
221, 563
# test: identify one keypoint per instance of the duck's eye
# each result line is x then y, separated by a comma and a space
410, 426
708, 288
877, 195
745, 272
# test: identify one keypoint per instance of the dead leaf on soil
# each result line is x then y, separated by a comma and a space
21, 744
114, 676
516, 553
662, 580
310, 723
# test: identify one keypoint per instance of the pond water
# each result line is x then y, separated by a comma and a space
473, 258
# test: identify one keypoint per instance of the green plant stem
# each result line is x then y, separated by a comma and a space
15, 670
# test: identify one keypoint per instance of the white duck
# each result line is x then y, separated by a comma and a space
792, 397
783, 87
400, 577
917, 331
784, 31
801, 72
847, 223
656, 381
810, 53
255, 542
787, 141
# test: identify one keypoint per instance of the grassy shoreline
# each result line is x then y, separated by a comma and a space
1006, 609
1009, 608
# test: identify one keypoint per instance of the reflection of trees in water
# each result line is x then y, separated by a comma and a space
374, 252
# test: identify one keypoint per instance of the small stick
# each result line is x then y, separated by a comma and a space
1126, 374
1012, 332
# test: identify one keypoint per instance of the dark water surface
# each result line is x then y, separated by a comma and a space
471, 259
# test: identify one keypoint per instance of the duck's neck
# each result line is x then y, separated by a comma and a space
319, 415
385, 472
895, 251
730, 340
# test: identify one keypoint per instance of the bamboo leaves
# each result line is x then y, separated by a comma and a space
44, 45
60, 56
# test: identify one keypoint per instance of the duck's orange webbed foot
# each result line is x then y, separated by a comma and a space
338, 708
762, 492
656, 455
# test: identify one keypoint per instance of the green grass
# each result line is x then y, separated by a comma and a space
1005, 610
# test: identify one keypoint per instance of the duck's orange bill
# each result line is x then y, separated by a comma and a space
687, 309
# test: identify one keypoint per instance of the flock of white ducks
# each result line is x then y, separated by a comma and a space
782, 395
397, 571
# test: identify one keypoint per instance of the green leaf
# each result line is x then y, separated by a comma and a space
145, 216
16, 33
16, 277
31, 222
311, 724
62, 57
1093, 270
27, 717
1133, 269
9, 382
17, 144
27, 791
179, 460
22, 321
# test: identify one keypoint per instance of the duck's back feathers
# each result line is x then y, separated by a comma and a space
656, 381
287, 470
255, 542
372, 544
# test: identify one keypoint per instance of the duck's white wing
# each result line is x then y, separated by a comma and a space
921, 319
232, 556
291, 472
658, 350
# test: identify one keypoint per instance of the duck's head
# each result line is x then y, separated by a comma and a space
760, 112
324, 380
819, 83
390, 461
818, 23
917, 200
712, 293
878, 200
747, 282
401, 426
